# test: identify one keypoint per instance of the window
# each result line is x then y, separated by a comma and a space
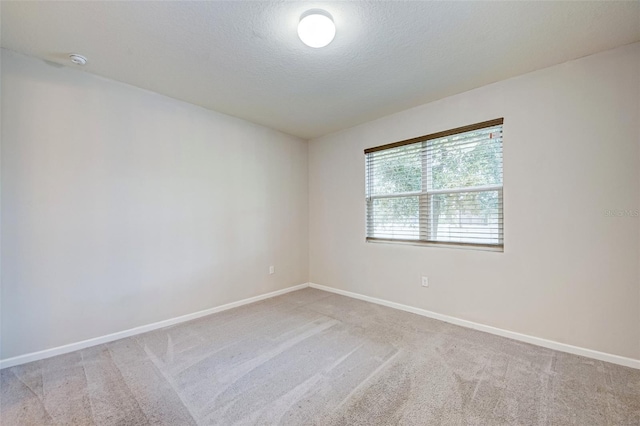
444, 188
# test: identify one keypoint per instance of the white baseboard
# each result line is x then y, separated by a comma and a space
47, 353
563, 347
589, 353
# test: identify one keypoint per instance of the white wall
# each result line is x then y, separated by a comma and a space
571, 151
121, 207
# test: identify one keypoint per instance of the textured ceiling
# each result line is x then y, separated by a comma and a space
245, 59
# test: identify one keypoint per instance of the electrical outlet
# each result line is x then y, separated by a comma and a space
425, 282
272, 270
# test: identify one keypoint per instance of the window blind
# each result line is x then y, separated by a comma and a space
444, 188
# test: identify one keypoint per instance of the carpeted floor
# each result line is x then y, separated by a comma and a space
311, 357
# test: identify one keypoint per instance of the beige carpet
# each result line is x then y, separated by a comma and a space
311, 357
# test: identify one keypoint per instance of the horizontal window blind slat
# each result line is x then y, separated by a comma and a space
434, 243
464, 144
431, 151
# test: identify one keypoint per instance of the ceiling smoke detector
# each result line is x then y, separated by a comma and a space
78, 59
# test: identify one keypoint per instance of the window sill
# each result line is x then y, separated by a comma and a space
466, 246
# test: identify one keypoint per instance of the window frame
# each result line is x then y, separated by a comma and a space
424, 238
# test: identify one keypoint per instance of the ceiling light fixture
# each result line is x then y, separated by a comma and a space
316, 28
78, 59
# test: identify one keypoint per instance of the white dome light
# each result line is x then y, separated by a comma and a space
316, 28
